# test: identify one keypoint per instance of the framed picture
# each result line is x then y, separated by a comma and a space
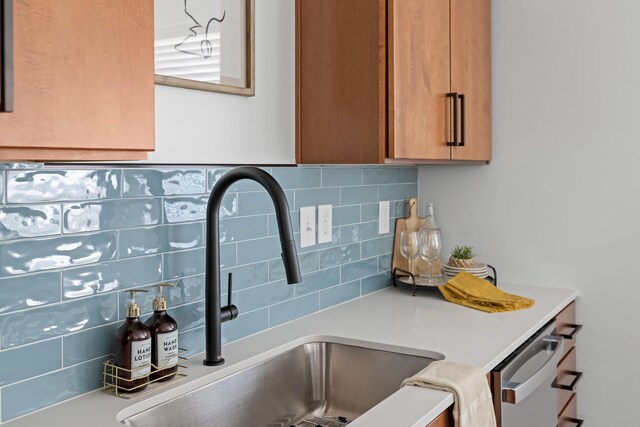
205, 45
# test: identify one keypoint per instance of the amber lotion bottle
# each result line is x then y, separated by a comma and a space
132, 349
164, 338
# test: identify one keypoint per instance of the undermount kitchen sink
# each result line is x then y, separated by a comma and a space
318, 383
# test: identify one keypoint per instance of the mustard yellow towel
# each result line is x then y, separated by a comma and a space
471, 291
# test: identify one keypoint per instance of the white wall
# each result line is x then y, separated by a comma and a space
206, 127
559, 204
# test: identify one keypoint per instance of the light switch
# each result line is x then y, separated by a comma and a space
307, 226
383, 217
325, 223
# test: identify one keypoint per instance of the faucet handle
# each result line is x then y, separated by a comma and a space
229, 293
229, 312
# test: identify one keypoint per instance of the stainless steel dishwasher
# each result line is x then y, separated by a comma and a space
523, 392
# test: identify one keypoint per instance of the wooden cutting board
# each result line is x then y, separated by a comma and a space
411, 223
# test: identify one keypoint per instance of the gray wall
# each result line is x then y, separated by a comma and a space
205, 127
558, 205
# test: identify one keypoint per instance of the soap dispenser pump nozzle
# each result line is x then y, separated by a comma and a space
160, 302
133, 308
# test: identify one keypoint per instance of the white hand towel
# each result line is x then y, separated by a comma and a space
473, 405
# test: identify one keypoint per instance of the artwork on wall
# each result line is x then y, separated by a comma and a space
205, 45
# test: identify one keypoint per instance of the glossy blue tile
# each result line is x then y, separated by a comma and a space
343, 215
28, 291
259, 250
187, 290
154, 182
87, 345
379, 175
183, 209
56, 185
359, 269
111, 214
188, 316
384, 262
182, 264
293, 309
111, 276
340, 177
375, 283
359, 195
28, 326
243, 185
259, 203
264, 295
307, 262
397, 191
273, 223
318, 281
244, 325
192, 341
358, 232
407, 175
245, 276
19, 399
369, 212
31, 360
29, 221
1, 187
317, 196
339, 294
300, 177
399, 209
164, 238
244, 228
340, 255
375, 247
26, 256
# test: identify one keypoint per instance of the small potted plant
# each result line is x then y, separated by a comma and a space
462, 257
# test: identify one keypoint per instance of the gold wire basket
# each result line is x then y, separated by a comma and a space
112, 373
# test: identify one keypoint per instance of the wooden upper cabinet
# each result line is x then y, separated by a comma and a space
471, 74
84, 81
372, 79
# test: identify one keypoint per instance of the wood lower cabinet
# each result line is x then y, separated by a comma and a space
374, 79
83, 81
568, 377
445, 419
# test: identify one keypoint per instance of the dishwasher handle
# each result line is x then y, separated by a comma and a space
514, 392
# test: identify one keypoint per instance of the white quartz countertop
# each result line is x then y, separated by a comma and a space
389, 318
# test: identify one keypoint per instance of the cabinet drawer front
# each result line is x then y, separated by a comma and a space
565, 377
570, 411
566, 326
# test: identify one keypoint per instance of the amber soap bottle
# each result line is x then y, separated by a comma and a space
132, 348
164, 338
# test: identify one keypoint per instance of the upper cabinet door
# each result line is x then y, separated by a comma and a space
83, 79
419, 79
471, 75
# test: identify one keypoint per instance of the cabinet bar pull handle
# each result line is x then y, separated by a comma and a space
6, 56
576, 421
570, 387
571, 335
461, 144
454, 119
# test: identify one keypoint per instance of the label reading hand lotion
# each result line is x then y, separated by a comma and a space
140, 359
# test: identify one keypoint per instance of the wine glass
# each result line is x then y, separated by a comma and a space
430, 248
409, 246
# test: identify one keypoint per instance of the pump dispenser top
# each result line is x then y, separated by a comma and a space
160, 302
133, 308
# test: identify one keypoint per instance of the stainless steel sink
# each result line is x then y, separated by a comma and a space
319, 383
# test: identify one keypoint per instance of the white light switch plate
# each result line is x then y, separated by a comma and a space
307, 226
325, 223
383, 215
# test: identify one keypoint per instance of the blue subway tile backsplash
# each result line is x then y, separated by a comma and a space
71, 240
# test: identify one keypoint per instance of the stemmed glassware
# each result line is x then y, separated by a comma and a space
430, 248
409, 245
